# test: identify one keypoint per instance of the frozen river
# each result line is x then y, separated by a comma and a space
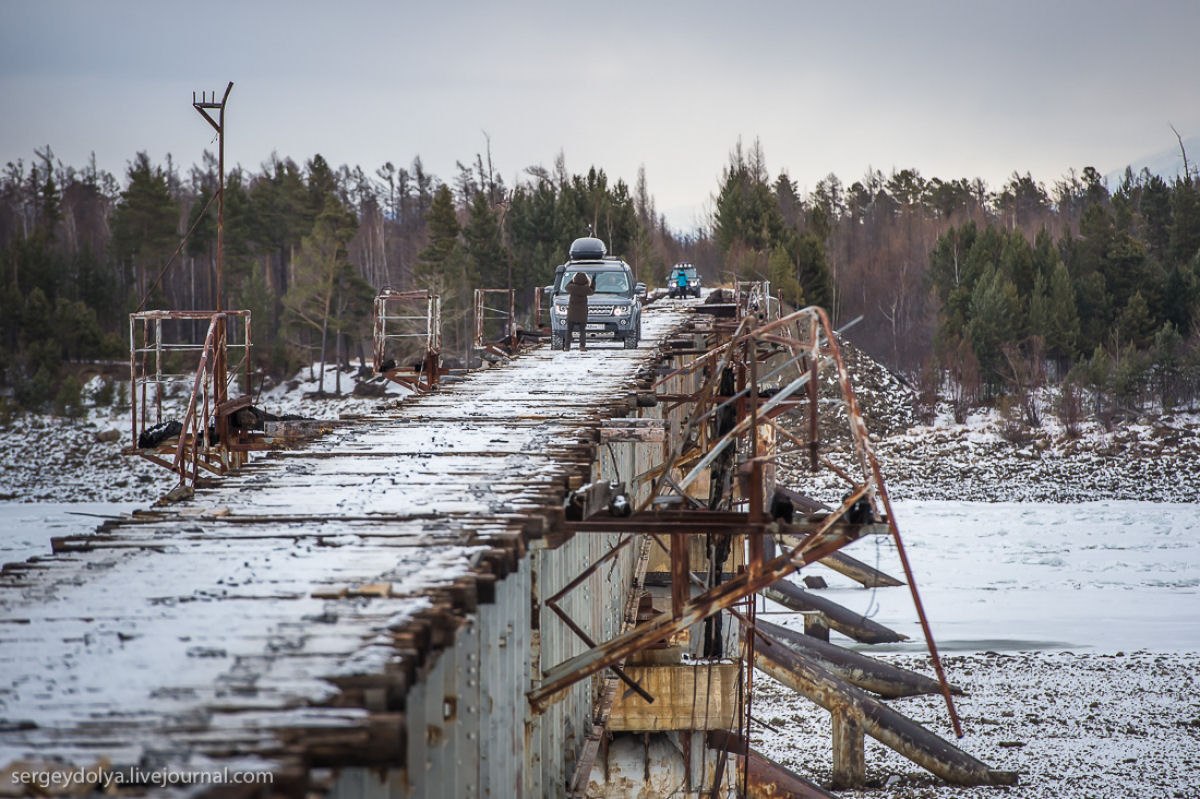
27, 527
1097, 576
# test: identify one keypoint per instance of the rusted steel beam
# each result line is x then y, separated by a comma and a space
699, 521
583, 636
845, 621
814, 444
890, 727
766, 779
660, 527
854, 667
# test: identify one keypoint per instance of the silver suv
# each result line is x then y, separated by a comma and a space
614, 310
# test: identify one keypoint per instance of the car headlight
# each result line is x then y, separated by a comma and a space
561, 310
620, 310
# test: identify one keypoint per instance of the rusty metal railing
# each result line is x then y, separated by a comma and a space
496, 328
539, 307
408, 338
166, 361
754, 298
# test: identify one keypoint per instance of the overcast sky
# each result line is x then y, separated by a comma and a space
954, 89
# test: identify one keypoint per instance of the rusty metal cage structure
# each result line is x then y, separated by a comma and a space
407, 334
167, 362
715, 482
496, 332
754, 298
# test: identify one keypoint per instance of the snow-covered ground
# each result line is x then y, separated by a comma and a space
1074, 726
1152, 458
26, 528
1065, 602
1073, 628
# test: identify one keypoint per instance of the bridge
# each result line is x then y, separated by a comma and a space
515, 584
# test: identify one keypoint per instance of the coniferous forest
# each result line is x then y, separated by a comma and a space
975, 295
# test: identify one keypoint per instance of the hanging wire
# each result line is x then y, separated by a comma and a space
873, 606
178, 250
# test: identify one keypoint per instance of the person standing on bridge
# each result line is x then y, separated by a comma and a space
580, 288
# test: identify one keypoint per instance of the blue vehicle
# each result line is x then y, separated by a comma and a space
684, 280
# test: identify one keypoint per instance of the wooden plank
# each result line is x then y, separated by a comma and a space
694, 697
643, 435
849, 754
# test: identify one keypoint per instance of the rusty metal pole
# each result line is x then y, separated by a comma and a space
512, 316
755, 548
755, 492
813, 398
219, 367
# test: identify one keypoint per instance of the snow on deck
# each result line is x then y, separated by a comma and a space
206, 627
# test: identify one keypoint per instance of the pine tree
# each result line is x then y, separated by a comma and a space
327, 285
1185, 220
995, 321
812, 270
144, 225
1061, 331
445, 266
747, 213
490, 261
442, 222
1135, 325
782, 273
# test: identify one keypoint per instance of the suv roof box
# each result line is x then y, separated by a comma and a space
587, 249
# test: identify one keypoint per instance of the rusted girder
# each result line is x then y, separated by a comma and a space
847, 622
699, 522
890, 727
765, 779
854, 667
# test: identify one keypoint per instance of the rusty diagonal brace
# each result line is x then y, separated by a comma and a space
704, 396
552, 603
746, 584
813, 547
695, 580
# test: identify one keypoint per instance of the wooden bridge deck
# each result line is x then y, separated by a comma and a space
281, 610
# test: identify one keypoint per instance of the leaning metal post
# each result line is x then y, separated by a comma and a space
206, 104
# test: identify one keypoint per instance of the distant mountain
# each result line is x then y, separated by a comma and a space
1167, 163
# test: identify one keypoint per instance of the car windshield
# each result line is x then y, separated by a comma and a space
606, 282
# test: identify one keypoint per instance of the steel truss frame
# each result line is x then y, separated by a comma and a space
404, 315
776, 365
507, 317
156, 347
